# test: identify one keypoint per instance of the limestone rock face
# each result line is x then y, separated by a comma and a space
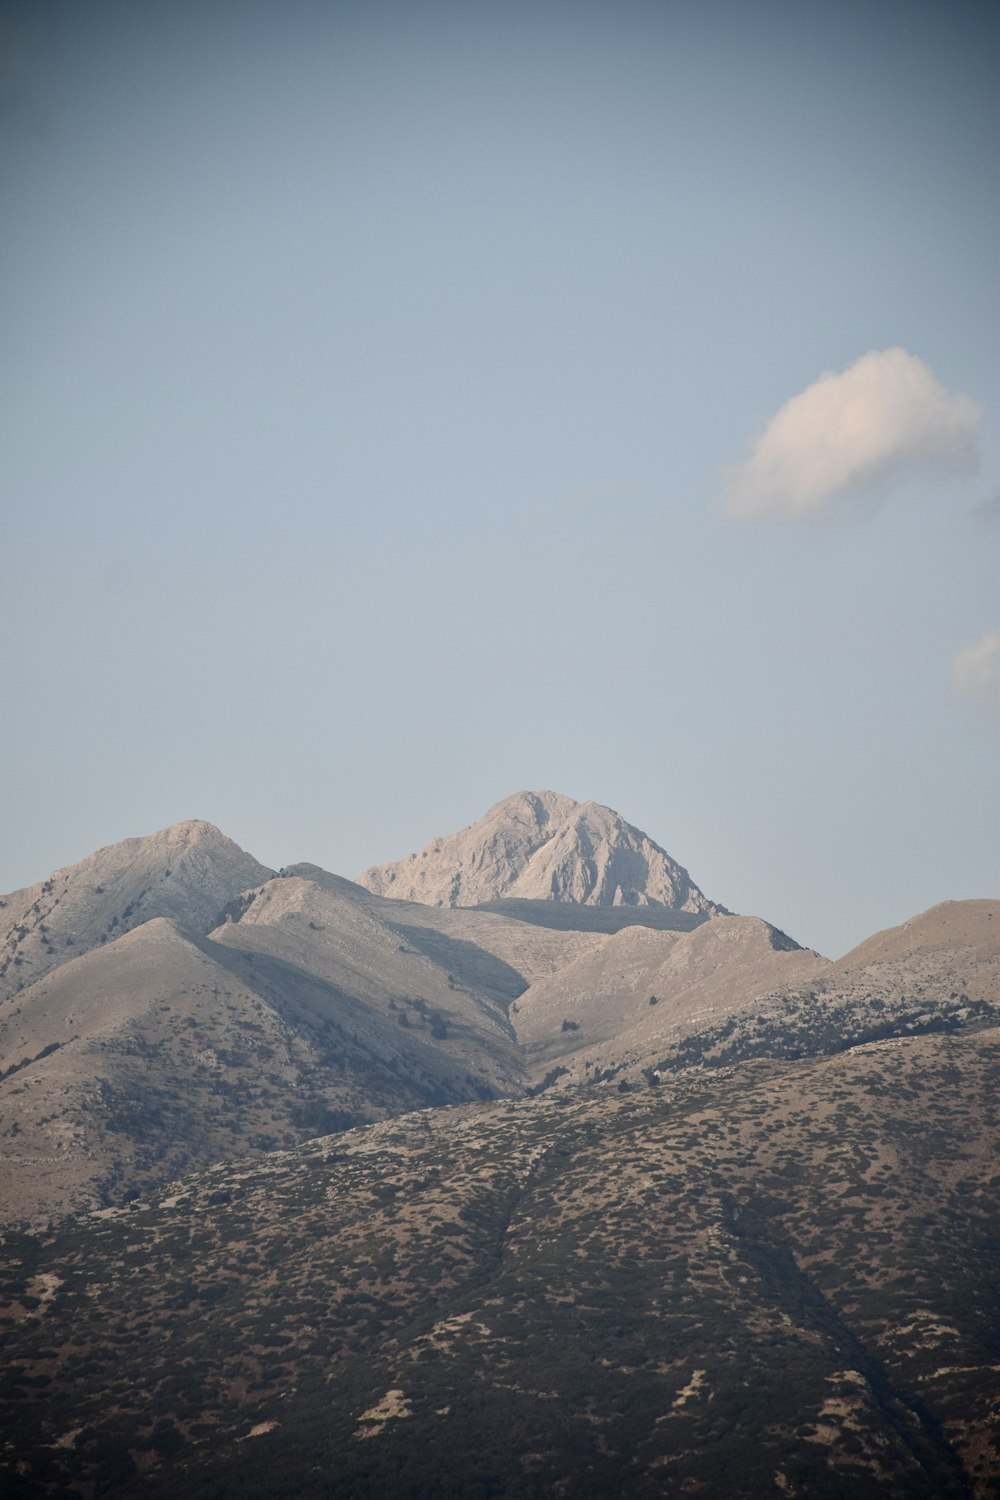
544, 847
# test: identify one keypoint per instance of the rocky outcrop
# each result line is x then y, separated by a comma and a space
544, 847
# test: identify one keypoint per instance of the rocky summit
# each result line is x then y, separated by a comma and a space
541, 846
518, 1168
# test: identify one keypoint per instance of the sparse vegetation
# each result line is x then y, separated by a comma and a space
694, 1282
328, 1245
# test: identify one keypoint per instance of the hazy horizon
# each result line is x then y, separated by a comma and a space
406, 406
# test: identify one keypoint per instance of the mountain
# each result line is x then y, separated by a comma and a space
938, 972
772, 1279
171, 1003
500, 950
165, 1050
541, 846
312, 1004
618, 1007
736, 988
187, 872
311, 1190
955, 937
196, 1025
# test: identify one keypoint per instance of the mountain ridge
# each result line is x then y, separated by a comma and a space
311, 1190
148, 981
187, 872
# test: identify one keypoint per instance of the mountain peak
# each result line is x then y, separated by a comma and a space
193, 831
187, 872
543, 846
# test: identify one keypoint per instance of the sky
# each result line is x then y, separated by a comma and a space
401, 405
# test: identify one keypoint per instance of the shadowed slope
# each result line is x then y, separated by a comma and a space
163, 1051
351, 945
501, 950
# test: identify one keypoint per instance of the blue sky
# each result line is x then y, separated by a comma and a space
372, 380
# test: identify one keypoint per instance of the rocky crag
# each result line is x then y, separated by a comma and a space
541, 846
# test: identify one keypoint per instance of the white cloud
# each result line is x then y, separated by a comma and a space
976, 668
843, 431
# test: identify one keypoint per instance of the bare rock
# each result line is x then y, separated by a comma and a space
544, 847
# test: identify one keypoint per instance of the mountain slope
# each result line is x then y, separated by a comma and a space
750, 1253
542, 846
770, 1280
351, 947
162, 1051
187, 872
317, 1003
617, 1008
498, 951
938, 972
961, 938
